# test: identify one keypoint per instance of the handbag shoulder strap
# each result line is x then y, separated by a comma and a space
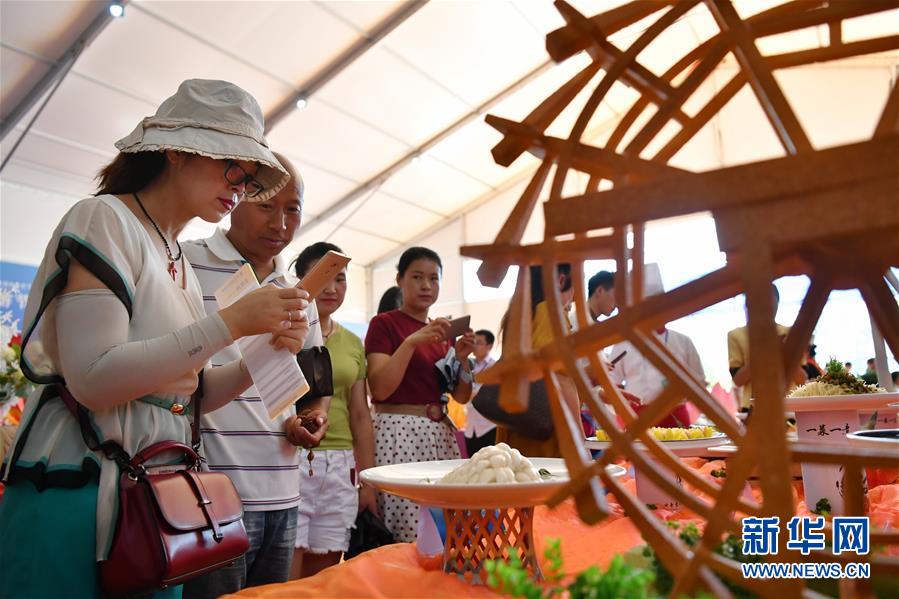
113, 450
110, 449
195, 403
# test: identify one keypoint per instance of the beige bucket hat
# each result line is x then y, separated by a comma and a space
211, 118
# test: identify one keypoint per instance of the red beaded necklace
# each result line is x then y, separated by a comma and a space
168, 251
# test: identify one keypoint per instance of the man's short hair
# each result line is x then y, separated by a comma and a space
604, 279
487, 335
295, 178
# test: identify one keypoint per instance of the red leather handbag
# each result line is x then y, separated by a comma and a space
171, 526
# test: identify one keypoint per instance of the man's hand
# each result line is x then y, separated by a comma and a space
308, 428
635, 401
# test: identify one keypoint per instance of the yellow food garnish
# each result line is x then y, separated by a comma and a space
671, 434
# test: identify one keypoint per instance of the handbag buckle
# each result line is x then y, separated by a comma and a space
136, 472
435, 411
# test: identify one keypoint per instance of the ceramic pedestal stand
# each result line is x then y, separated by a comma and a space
475, 536
480, 525
647, 491
828, 420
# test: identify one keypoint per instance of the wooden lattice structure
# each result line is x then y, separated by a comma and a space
476, 536
853, 190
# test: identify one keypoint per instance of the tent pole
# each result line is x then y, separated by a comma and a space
57, 72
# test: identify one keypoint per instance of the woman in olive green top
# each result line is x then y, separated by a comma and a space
329, 501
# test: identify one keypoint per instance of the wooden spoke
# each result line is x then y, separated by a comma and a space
680, 194
594, 161
804, 326
608, 56
492, 270
769, 385
566, 42
769, 94
889, 118
851, 190
700, 73
884, 309
582, 248
510, 148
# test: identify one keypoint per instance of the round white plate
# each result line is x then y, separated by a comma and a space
718, 438
877, 439
420, 482
860, 401
729, 448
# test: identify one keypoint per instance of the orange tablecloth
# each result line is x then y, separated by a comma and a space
395, 570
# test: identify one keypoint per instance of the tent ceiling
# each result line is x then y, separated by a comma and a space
432, 71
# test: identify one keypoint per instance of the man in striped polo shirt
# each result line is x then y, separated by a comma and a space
257, 453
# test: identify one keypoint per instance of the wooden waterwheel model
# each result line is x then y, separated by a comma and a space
852, 189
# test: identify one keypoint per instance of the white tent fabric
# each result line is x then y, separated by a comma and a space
436, 71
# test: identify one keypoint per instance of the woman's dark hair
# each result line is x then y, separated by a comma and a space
416, 253
312, 253
537, 294
391, 300
128, 173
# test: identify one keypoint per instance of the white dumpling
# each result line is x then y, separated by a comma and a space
487, 476
500, 460
494, 464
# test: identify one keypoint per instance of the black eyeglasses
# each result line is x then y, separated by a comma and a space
235, 175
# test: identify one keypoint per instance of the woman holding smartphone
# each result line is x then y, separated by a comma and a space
402, 347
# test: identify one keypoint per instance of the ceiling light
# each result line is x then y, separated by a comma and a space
117, 9
302, 102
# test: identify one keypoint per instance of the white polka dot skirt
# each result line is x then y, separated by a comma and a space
401, 439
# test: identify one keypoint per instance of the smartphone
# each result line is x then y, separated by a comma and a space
458, 327
323, 271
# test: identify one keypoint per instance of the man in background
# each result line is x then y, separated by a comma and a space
601, 294
738, 358
870, 376
260, 455
639, 377
480, 432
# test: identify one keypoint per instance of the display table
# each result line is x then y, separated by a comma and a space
397, 571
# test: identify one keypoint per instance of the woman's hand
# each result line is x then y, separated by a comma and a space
270, 309
433, 332
465, 345
368, 500
307, 429
294, 338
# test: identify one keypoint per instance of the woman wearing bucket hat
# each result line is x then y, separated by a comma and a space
116, 315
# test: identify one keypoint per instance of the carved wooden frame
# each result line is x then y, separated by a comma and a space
852, 189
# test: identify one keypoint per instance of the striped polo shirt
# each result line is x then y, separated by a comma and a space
239, 439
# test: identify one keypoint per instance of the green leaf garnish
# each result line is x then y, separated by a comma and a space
823, 508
